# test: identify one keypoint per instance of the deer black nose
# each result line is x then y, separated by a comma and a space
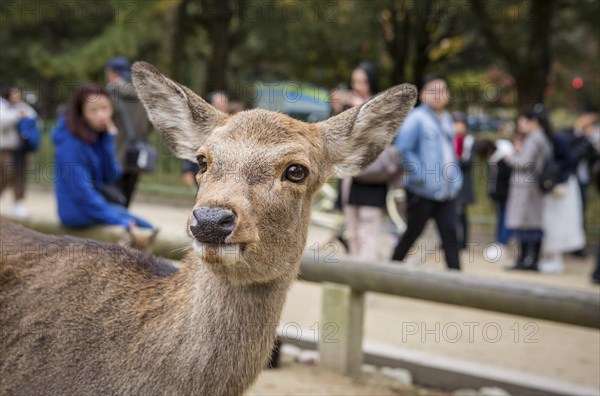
212, 225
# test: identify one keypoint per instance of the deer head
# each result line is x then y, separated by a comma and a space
259, 170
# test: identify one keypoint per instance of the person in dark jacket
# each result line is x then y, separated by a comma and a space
583, 154
85, 162
496, 154
130, 118
596, 177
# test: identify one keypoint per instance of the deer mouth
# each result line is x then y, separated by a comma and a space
219, 253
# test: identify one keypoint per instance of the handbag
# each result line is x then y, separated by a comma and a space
386, 168
112, 193
549, 175
140, 156
29, 134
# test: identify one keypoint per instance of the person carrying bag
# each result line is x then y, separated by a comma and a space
133, 151
141, 156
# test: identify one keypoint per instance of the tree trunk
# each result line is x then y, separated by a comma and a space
532, 76
49, 93
216, 78
220, 37
396, 43
173, 41
531, 71
422, 40
48, 98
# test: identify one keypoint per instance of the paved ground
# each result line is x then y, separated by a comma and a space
559, 351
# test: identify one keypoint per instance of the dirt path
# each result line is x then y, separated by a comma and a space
297, 379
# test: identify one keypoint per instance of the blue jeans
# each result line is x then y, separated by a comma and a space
502, 232
125, 213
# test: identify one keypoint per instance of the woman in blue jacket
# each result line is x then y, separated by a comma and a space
85, 162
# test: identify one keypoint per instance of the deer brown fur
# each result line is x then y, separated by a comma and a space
79, 317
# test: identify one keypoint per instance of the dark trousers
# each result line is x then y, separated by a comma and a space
418, 211
12, 172
462, 228
596, 273
503, 234
127, 184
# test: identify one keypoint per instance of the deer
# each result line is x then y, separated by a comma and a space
79, 317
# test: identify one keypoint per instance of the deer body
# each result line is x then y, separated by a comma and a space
78, 317
149, 320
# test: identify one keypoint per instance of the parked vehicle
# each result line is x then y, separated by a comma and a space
298, 100
482, 123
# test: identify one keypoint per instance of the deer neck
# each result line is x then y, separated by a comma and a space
227, 330
226, 302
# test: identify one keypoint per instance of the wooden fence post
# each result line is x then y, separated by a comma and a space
341, 329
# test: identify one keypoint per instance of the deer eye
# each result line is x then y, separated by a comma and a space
296, 173
202, 163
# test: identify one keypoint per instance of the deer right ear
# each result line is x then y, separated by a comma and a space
182, 117
354, 138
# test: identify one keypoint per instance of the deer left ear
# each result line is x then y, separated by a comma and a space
183, 119
356, 137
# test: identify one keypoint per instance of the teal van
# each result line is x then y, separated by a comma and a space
301, 101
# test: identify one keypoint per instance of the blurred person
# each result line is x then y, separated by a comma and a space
596, 177
85, 163
463, 146
584, 153
433, 177
236, 106
525, 204
362, 203
562, 215
130, 119
338, 101
499, 171
592, 133
13, 157
220, 101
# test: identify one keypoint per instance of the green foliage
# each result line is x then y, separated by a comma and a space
233, 43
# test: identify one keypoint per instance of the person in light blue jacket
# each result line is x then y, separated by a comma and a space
86, 164
433, 178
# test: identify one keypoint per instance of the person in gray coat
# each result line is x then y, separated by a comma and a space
525, 198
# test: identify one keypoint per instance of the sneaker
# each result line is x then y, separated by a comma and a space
553, 264
19, 211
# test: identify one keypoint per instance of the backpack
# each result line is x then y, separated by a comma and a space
559, 166
29, 134
549, 175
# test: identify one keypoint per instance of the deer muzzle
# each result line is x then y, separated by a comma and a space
212, 225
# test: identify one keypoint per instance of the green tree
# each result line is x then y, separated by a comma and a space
519, 33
